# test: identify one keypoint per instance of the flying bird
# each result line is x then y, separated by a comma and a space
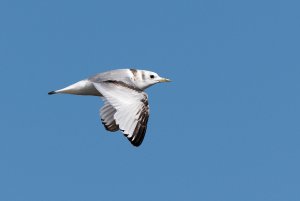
125, 102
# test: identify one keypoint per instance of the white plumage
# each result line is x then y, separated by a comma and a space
125, 104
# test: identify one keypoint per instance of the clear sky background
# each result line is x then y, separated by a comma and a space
226, 128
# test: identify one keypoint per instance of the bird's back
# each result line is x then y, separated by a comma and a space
122, 75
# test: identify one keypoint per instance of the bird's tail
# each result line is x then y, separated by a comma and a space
51, 92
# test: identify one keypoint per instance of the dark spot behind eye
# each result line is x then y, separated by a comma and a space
151, 76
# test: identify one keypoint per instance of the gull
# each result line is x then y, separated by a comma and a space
126, 105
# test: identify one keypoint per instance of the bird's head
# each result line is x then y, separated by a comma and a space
144, 79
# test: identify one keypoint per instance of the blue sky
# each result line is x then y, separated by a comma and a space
226, 128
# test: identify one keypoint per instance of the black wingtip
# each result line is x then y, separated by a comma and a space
51, 92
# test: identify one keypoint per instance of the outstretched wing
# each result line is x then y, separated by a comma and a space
131, 105
107, 113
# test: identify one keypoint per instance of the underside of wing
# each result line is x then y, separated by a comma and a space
107, 113
125, 108
137, 130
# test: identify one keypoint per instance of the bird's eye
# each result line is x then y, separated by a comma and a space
151, 76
